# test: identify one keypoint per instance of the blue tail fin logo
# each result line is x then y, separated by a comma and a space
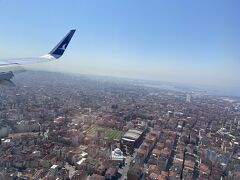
59, 49
63, 47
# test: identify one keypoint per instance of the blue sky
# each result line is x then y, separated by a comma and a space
182, 41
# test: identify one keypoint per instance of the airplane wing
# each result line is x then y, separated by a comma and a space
8, 67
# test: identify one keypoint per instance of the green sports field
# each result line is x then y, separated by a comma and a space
111, 133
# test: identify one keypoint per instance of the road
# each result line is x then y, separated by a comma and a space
125, 169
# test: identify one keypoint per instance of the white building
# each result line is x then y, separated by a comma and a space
117, 155
53, 170
6, 142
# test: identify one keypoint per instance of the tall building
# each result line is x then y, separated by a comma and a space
188, 98
131, 139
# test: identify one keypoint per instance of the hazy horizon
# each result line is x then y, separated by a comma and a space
176, 41
160, 84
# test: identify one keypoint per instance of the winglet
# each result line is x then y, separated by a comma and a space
58, 51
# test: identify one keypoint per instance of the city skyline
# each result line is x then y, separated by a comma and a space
188, 42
